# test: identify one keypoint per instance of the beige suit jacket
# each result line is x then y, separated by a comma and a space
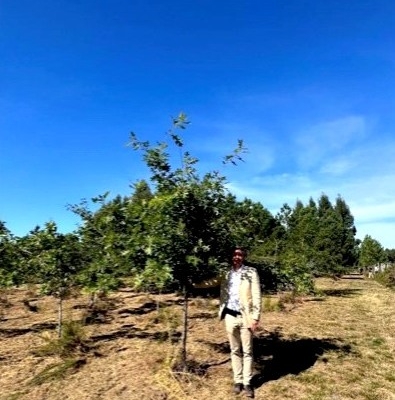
249, 292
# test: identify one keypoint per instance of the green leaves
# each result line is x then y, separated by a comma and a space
183, 223
371, 252
318, 239
235, 156
55, 258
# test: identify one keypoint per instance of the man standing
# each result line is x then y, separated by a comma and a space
240, 306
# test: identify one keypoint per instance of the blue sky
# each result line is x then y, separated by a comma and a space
308, 85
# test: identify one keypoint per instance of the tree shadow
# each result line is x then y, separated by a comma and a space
148, 307
314, 299
341, 292
209, 292
203, 315
195, 367
130, 331
13, 332
96, 316
276, 356
222, 348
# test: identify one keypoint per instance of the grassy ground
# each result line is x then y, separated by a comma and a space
339, 345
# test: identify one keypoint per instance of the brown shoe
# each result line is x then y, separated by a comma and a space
237, 388
249, 391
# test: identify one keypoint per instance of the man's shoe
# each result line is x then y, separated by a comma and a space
237, 388
249, 391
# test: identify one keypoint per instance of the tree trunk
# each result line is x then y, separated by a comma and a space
92, 299
60, 315
185, 331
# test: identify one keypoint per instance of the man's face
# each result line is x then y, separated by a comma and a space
238, 258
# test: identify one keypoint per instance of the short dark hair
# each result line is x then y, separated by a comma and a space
242, 249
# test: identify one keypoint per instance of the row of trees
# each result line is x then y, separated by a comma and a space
179, 230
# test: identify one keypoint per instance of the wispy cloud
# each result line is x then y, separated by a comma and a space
339, 157
315, 143
372, 208
338, 167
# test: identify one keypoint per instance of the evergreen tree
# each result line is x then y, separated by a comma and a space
8, 273
371, 252
142, 192
349, 245
328, 240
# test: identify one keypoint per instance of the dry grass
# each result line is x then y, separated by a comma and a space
336, 346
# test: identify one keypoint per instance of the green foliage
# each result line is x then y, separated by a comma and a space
179, 228
249, 224
390, 255
53, 260
154, 276
295, 273
142, 193
317, 240
371, 252
101, 236
183, 228
8, 251
183, 232
349, 245
50, 258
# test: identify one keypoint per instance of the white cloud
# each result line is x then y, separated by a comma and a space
340, 156
319, 141
374, 212
371, 199
338, 167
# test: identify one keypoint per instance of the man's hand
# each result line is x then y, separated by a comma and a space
254, 325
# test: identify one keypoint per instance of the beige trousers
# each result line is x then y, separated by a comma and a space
240, 340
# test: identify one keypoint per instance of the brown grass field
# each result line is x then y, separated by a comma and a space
338, 345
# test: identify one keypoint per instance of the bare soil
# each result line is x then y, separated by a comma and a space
338, 345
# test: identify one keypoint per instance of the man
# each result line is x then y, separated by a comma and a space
240, 307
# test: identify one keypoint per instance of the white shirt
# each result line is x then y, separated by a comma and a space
234, 289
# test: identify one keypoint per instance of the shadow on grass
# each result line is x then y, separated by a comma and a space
276, 356
13, 332
129, 331
204, 315
148, 307
341, 292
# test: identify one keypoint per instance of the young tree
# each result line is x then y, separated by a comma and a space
102, 234
56, 260
185, 233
